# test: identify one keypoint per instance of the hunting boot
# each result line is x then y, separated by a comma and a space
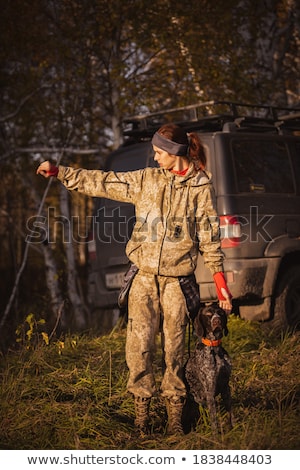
141, 421
174, 410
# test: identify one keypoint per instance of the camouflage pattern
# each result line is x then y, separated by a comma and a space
175, 215
175, 218
154, 303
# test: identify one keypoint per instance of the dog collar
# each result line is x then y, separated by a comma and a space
214, 342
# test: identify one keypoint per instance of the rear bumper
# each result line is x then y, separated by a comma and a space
251, 282
98, 295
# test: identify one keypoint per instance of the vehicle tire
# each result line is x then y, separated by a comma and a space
287, 301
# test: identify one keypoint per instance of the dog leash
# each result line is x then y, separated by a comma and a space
189, 337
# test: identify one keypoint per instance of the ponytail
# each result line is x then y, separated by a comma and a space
178, 135
196, 152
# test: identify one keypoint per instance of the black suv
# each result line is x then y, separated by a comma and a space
253, 153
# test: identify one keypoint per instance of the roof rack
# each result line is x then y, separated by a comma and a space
212, 116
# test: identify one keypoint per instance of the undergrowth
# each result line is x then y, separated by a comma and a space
71, 394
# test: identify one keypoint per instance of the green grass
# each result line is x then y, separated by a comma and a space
71, 394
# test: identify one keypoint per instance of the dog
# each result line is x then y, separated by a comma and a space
208, 369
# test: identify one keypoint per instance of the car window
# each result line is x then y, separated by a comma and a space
262, 166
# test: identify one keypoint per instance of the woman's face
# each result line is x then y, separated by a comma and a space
164, 159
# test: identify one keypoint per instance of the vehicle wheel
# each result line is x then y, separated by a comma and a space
287, 301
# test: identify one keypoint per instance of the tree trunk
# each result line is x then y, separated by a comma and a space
53, 286
77, 302
184, 50
52, 278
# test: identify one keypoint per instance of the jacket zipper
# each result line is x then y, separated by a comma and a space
166, 223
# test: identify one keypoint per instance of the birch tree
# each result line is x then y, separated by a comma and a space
51, 269
79, 309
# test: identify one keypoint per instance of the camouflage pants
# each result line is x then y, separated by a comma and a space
154, 301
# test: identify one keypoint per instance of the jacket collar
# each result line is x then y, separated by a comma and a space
190, 178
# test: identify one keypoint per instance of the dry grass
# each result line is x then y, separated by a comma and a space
71, 394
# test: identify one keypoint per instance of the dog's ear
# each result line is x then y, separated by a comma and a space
224, 322
198, 327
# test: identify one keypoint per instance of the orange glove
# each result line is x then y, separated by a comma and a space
224, 294
221, 286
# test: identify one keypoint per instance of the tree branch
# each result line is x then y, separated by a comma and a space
20, 105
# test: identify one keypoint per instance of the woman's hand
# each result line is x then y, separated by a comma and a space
224, 294
226, 304
46, 169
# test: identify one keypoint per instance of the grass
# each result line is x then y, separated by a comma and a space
71, 394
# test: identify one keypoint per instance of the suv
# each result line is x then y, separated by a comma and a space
253, 153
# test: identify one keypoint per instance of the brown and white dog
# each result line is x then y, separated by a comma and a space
208, 369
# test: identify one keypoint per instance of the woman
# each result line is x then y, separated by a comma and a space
175, 218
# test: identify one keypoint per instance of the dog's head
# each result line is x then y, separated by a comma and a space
211, 322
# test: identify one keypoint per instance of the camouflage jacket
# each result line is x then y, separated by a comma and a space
175, 215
